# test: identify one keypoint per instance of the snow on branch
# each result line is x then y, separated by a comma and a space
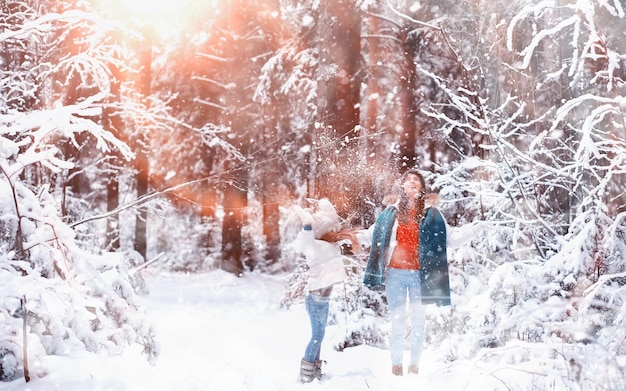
614, 9
587, 42
524, 13
43, 24
592, 291
36, 127
407, 17
530, 49
570, 105
461, 102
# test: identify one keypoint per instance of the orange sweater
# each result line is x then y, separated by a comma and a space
406, 254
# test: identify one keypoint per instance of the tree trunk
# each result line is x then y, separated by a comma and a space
114, 124
339, 27
25, 340
112, 242
271, 181
235, 203
373, 89
271, 222
408, 138
208, 200
141, 161
141, 223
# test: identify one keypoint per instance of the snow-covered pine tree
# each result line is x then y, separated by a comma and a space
68, 298
542, 293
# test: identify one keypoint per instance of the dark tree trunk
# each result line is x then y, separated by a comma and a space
113, 123
112, 234
339, 27
72, 184
270, 189
75, 185
373, 88
271, 227
409, 109
339, 42
141, 226
247, 20
208, 200
141, 159
235, 202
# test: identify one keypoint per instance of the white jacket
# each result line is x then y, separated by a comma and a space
324, 258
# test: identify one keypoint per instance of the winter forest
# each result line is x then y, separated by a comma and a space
183, 133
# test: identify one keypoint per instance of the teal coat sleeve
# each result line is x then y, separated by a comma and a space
434, 259
375, 269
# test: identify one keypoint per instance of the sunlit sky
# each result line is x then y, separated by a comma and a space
163, 16
158, 11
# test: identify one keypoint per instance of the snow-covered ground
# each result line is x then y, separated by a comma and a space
220, 332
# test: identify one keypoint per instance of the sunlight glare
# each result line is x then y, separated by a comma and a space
153, 10
161, 15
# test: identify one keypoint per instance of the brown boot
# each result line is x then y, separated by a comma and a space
397, 370
413, 368
307, 371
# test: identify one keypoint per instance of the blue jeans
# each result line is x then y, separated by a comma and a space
317, 307
398, 284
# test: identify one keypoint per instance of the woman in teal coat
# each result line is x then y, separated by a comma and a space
408, 256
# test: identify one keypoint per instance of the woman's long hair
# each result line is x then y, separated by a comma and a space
344, 234
404, 212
